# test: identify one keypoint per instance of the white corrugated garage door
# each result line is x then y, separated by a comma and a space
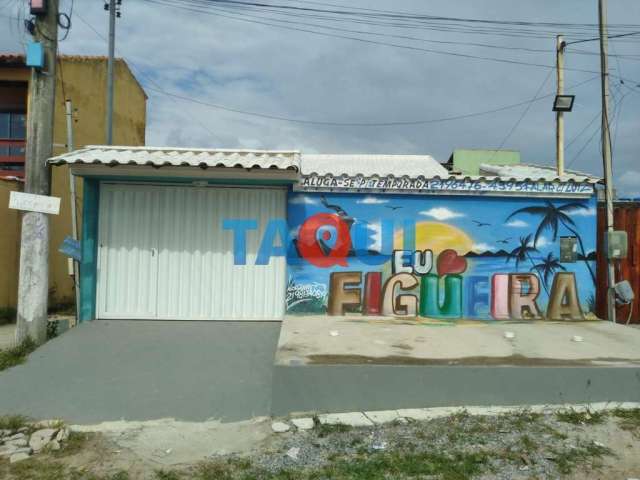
164, 255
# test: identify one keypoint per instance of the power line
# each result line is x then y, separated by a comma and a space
446, 24
376, 42
524, 113
364, 124
598, 38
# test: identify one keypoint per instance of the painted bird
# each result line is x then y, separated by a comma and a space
481, 224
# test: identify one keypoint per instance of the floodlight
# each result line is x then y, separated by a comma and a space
563, 103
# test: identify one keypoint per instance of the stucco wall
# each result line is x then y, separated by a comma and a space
440, 256
9, 241
85, 84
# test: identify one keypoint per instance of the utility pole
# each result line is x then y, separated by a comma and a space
111, 7
606, 154
560, 115
72, 195
33, 287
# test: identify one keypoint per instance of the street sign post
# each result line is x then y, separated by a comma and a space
34, 203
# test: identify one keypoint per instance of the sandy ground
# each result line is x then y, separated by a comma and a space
171, 443
142, 448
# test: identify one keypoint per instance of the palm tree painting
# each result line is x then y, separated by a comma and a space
552, 218
523, 251
548, 266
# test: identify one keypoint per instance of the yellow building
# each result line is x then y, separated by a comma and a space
82, 80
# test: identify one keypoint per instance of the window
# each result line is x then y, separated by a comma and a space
12, 142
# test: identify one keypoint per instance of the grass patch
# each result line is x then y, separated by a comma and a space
166, 475
74, 444
7, 315
584, 454
324, 429
13, 422
577, 417
628, 419
453, 466
16, 355
522, 419
381, 466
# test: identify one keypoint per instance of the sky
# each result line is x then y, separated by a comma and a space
222, 56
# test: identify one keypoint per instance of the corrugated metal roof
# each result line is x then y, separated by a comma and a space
523, 172
370, 165
186, 157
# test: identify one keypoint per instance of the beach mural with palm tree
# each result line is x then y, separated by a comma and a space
447, 257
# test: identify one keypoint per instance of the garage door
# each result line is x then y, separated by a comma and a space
164, 255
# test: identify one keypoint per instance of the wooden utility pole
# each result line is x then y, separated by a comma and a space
560, 115
606, 154
33, 287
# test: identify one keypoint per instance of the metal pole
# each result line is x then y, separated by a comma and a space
560, 115
74, 216
606, 153
33, 286
110, 61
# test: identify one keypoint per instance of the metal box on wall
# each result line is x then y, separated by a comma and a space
568, 249
617, 244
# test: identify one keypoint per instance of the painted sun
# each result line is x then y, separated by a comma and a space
437, 237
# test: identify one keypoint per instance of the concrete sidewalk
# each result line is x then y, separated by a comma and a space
350, 364
141, 370
357, 340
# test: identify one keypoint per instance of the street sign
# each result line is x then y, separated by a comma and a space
34, 203
71, 248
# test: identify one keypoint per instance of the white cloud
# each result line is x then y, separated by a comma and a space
372, 200
542, 242
629, 183
441, 213
376, 236
303, 200
482, 247
224, 61
585, 212
517, 224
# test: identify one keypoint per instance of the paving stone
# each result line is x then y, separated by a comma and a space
383, 416
352, 419
18, 457
16, 436
305, 423
40, 438
21, 442
280, 427
426, 413
8, 450
62, 435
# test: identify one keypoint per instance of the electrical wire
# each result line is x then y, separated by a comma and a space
445, 24
363, 124
522, 115
172, 4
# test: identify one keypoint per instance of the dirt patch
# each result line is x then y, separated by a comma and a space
518, 445
510, 361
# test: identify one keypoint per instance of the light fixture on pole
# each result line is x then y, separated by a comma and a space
563, 103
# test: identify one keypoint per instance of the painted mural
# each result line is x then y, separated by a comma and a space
445, 257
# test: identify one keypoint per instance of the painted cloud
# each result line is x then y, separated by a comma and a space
441, 213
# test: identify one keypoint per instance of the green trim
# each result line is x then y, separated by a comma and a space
88, 266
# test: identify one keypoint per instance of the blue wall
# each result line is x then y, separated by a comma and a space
474, 244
